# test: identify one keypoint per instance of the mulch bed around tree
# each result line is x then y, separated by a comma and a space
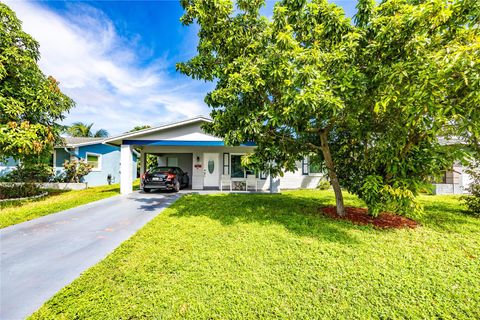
385, 220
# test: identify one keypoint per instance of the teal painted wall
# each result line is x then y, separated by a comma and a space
60, 157
110, 164
110, 160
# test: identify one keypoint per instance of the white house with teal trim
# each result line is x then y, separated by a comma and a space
105, 160
205, 157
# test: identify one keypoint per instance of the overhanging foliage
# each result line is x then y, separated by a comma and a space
367, 98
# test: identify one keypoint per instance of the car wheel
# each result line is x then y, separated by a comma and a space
147, 190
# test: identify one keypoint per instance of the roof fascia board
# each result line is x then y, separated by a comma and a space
159, 128
176, 143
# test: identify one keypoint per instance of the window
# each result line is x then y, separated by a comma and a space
237, 170
305, 166
310, 168
163, 170
95, 160
263, 175
211, 166
315, 168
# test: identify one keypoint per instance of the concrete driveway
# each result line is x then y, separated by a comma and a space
41, 256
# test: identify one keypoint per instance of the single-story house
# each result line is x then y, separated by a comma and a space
206, 158
456, 180
104, 158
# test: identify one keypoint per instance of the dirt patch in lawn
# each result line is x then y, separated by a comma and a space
385, 220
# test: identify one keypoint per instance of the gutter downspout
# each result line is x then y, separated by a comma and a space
71, 153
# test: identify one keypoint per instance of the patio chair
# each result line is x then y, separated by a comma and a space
251, 181
225, 180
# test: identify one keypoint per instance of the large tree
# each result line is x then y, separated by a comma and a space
80, 129
31, 104
365, 98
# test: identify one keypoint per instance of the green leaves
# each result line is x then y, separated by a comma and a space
381, 197
30, 102
80, 129
382, 89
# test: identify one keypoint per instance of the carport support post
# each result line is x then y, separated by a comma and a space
126, 163
143, 162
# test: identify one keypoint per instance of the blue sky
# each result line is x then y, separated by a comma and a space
117, 59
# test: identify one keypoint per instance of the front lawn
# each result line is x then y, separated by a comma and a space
13, 212
250, 256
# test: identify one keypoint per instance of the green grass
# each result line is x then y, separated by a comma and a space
13, 212
274, 256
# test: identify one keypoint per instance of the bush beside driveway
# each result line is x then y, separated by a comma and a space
17, 211
276, 256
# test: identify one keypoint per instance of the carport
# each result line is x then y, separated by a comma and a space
186, 145
182, 160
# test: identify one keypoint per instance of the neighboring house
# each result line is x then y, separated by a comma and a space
456, 180
105, 160
204, 156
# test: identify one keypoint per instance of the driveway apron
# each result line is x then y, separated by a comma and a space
41, 256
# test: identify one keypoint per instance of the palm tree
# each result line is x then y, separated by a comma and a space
140, 127
80, 129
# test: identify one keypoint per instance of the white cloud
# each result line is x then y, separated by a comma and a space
99, 70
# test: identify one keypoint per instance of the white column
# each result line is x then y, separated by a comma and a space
126, 163
143, 162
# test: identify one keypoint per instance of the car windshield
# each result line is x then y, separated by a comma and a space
163, 169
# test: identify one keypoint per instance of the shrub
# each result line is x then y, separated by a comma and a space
427, 188
381, 197
76, 170
323, 184
472, 201
59, 177
19, 191
30, 172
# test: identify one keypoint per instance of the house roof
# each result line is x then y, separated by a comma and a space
117, 140
72, 142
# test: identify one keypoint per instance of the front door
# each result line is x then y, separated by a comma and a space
211, 165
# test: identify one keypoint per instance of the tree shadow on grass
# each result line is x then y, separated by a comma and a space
154, 203
449, 217
299, 215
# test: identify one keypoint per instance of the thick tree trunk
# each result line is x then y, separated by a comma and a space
332, 173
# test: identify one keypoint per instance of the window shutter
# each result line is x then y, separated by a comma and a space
305, 166
226, 163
